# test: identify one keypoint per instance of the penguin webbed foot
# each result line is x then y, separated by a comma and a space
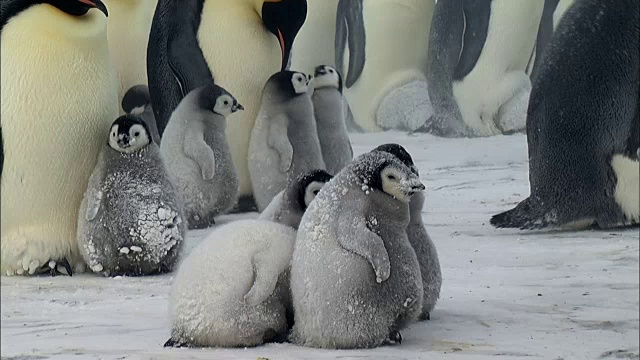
174, 343
424, 316
394, 335
54, 268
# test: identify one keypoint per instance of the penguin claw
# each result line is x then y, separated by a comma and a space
394, 336
173, 343
55, 268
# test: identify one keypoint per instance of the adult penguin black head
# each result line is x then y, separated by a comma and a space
284, 18
11, 8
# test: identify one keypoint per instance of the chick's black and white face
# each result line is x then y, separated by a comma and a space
226, 105
300, 82
311, 191
400, 184
326, 76
127, 138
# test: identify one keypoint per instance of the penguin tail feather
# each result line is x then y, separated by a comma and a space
524, 216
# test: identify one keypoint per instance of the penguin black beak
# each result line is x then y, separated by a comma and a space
236, 107
320, 70
284, 18
123, 141
98, 4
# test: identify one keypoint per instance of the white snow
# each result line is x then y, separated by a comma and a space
506, 294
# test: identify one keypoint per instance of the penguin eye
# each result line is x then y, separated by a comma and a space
331, 71
391, 177
226, 102
315, 192
136, 134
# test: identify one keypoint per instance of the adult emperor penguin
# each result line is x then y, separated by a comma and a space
478, 54
315, 43
387, 43
583, 124
355, 279
59, 98
128, 29
419, 239
236, 41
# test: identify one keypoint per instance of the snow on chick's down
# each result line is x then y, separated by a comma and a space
355, 279
130, 221
232, 290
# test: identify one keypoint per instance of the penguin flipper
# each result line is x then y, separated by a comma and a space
1, 152
355, 236
197, 150
477, 14
356, 39
265, 280
341, 36
279, 141
185, 57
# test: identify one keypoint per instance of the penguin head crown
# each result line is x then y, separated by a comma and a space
137, 97
327, 76
289, 84
128, 134
308, 185
384, 172
284, 18
217, 99
400, 153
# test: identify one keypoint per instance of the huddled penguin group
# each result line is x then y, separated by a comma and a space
126, 123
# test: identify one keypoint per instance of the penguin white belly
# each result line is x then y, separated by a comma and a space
500, 73
627, 192
58, 102
242, 54
129, 25
315, 43
397, 44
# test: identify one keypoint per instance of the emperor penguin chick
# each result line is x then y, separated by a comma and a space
355, 279
419, 238
130, 220
328, 106
195, 149
284, 140
137, 101
243, 296
290, 204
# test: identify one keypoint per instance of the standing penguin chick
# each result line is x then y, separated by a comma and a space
419, 238
195, 149
130, 220
328, 107
58, 99
290, 204
136, 101
284, 141
355, 279
243, 296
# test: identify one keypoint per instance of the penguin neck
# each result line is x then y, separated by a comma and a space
47, 19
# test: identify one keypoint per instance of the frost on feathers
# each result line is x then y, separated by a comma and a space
342, 299
130, 221
233, 290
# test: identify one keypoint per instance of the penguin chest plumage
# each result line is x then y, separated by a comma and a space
58, 100
129, 24
242, 54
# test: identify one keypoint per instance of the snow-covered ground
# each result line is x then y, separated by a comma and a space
507, 294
